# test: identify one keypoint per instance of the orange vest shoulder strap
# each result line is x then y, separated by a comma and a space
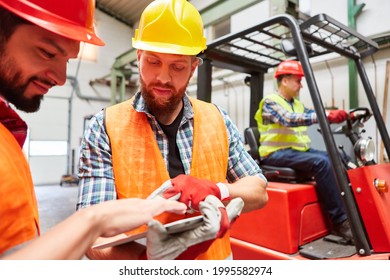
210, 147
137, 161
19, 217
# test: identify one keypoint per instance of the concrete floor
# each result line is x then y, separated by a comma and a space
55, 203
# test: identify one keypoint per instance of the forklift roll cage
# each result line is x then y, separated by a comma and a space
254, 50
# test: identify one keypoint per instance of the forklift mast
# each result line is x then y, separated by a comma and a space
254, 50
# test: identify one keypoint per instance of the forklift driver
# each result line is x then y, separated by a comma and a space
282, 122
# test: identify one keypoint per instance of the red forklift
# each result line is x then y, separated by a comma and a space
292, 225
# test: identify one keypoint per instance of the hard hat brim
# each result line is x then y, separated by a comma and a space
166, 48
53, 23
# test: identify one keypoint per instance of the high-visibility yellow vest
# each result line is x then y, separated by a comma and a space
275, 137
18, 206
139, 167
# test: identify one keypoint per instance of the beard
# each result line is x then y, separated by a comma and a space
13, 87
159, 106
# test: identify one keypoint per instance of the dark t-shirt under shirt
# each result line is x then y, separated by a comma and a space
175, 165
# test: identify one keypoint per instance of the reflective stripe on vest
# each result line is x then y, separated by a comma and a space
275, 136
18, 206
139, 167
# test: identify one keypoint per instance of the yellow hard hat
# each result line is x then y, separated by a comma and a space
170, 26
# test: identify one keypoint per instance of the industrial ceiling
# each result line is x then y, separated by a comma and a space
126, 11
129, 11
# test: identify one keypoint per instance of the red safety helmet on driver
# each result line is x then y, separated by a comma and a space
73, 19
289, 67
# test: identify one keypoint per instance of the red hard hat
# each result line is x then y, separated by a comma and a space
289, 67
73, 19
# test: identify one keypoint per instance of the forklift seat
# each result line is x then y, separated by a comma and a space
272, 173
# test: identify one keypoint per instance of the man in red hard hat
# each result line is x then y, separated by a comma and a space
37, 38
282, 121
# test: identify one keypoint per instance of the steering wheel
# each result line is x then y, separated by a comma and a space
358, 116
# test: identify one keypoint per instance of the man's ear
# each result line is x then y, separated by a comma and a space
194, 64
139, 52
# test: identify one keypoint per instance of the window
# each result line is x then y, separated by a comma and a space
88, 52
48, 148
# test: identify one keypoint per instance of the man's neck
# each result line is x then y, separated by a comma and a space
285, 96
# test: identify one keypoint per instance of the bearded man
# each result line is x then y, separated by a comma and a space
163, 135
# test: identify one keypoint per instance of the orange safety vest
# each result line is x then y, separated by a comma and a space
18, 206
139, 167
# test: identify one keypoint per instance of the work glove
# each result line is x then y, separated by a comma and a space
336, 116
190, 191
189, 244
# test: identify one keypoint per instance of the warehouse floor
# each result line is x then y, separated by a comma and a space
55, 203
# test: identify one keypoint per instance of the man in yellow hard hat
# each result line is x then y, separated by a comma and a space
283, 121
37, 38
162, 137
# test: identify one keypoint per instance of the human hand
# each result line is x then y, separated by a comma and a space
118, 216
190, 190
336, 116
192, 243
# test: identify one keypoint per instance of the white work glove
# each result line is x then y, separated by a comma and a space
190, 244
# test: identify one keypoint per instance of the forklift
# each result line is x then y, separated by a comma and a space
292, 225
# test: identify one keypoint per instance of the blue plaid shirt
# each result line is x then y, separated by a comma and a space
97, 183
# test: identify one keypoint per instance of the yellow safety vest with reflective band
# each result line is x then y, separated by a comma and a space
139, 166
274, 137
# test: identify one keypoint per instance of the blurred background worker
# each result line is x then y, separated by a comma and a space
163, 135
282, 121
37, 38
